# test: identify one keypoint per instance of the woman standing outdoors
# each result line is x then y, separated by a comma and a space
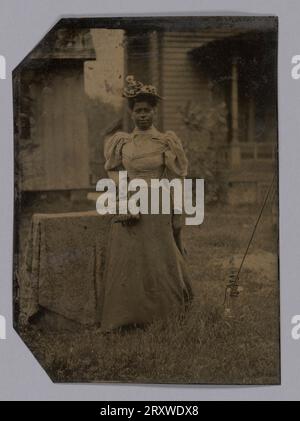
145, 276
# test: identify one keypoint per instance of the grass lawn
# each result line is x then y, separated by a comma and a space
204, 346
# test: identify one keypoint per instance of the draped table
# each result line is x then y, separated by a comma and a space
62, 268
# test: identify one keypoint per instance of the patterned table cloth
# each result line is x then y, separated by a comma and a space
63, 266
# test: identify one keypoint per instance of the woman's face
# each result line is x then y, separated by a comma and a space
142, 115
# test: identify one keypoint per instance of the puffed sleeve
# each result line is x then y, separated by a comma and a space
113, 150
175, 157
176, 167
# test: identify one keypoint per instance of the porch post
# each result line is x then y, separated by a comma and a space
235, 147
251, 120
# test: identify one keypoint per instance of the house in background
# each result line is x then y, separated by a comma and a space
220, 95
51, 126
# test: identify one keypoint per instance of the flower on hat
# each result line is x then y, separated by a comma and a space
130, 79
149, 89
135, 88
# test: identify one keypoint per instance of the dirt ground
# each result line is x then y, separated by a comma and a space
204, 346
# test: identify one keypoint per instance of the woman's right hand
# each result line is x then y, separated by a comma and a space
131, 220
126, 220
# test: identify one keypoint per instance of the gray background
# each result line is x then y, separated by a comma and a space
22, 25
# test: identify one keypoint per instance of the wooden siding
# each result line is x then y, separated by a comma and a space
182, 80
58, 157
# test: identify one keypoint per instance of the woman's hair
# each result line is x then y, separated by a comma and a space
150, 99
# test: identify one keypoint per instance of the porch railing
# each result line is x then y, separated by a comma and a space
257, 151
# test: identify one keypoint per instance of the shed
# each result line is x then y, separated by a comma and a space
51, 125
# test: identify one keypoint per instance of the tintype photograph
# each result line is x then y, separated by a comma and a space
146, 200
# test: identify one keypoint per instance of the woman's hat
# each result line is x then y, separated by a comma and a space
134, 88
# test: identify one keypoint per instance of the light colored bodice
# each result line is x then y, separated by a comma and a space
146, 154
143, 156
